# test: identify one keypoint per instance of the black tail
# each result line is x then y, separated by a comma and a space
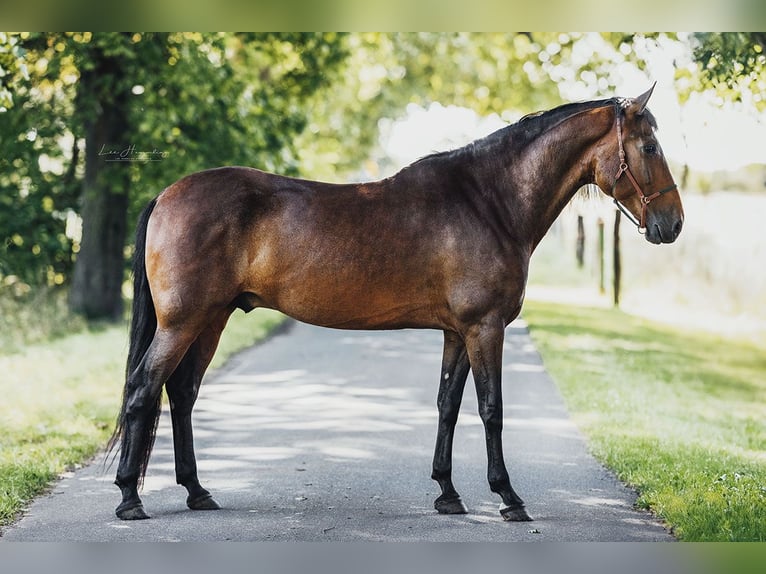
142, 327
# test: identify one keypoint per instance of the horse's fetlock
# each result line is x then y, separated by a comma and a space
500, 484
439, 474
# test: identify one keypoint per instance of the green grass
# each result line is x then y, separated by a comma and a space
60, 400
32, 316
680, 416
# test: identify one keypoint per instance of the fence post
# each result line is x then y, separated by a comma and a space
601, 288
616, 259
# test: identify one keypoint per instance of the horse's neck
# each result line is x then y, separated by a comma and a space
558, 163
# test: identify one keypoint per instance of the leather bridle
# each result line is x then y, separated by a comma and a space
624, 169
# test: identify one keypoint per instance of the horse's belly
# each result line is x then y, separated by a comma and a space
350, 300
352, 311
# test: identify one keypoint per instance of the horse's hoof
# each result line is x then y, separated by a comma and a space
514, 514
133, 511
204, 502
450, 506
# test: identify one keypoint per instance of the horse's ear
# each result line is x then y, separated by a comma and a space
640, 102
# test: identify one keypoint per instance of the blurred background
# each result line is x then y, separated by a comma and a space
92, 125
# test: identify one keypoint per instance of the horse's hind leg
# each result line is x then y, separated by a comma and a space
183, 387
455, 367
141, 412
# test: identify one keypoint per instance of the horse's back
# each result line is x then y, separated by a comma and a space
339, 255
400, 252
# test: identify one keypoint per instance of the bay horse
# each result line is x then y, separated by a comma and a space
443, 244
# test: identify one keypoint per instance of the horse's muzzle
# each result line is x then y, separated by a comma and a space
664, 230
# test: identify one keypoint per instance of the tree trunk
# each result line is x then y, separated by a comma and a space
96, 290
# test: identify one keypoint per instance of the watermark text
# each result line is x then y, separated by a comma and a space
130, 153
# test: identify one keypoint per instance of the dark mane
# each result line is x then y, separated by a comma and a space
532, 125
527, 129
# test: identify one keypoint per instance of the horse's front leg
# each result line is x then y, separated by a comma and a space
485, 351
454, 372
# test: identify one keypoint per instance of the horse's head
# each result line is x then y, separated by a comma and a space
631, 168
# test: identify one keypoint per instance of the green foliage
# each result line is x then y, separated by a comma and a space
384, 72
733, 64
193, 101
11, 68
678, 415
36, 190
730, 64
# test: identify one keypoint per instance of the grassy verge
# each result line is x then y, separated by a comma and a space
34, 316
680, 416
60, 400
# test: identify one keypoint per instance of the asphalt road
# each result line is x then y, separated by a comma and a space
320, 435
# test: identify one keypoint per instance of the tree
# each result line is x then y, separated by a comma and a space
217, 90
103, 105
731, 63
122, 100
178, 102
284, 102
489, 73
37, 191
11, 68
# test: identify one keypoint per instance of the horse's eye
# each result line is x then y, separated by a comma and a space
650, 149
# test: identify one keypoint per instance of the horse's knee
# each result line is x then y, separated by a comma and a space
494, 427
448, 417
492, 417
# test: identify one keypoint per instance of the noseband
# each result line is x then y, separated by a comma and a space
624, 169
